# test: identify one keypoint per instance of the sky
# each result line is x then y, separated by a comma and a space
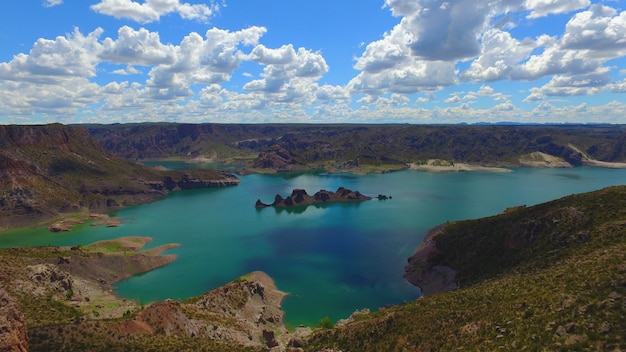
313, 61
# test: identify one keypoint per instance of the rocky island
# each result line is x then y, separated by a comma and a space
300, 197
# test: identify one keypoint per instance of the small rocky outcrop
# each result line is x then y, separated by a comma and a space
48, 277
13, 330
301, 197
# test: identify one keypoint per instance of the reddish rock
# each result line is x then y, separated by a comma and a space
13, 330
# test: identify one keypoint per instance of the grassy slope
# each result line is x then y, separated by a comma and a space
565, 290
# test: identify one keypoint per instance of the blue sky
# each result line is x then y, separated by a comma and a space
365, 61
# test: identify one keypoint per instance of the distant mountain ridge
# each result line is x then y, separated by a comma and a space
295, 146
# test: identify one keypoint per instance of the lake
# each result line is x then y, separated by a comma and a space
332, 259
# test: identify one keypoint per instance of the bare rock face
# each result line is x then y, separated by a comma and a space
13, 331
421, 271
49, 277
246, 311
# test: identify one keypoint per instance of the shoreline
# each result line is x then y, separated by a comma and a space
433, 166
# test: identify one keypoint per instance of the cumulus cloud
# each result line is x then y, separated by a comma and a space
411, 77
453, 99
137, 47
440, 30
571, 85
287, 71
588, 43
435, 44
500, 54
50, 61
152, 10
423, 51
600, 31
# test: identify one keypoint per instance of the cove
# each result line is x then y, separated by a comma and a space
332, 259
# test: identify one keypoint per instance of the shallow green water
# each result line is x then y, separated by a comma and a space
333, 259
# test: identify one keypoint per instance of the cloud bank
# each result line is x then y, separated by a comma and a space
136, 76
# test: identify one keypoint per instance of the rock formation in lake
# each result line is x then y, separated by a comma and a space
300, 197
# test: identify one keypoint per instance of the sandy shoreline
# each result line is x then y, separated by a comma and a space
432, 166
606, 164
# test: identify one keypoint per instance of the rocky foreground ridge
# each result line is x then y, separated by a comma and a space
46, 171
60, 298
300, 197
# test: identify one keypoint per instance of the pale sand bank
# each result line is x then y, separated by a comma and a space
610, 165
438, 166
542, 160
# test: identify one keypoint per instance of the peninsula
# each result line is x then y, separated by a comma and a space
300, 197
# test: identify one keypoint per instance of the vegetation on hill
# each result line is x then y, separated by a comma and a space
53, 169
547, 277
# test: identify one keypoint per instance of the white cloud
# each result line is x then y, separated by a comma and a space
572, 85
542, 8
423, 53
129, 70
52, 3
439, 30
411, 77
453, 99
152, 10
287, 72
591, 38
137, 47
264, 55
618, 87
50, 61
599, 31
500, 53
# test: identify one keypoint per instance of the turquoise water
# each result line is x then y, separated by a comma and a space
332, 259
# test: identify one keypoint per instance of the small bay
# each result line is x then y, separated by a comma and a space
332, 259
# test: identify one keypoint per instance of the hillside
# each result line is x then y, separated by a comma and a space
547, 277
365, 148
53, 169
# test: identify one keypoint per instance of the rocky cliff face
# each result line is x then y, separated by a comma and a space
13, 331
423, 272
